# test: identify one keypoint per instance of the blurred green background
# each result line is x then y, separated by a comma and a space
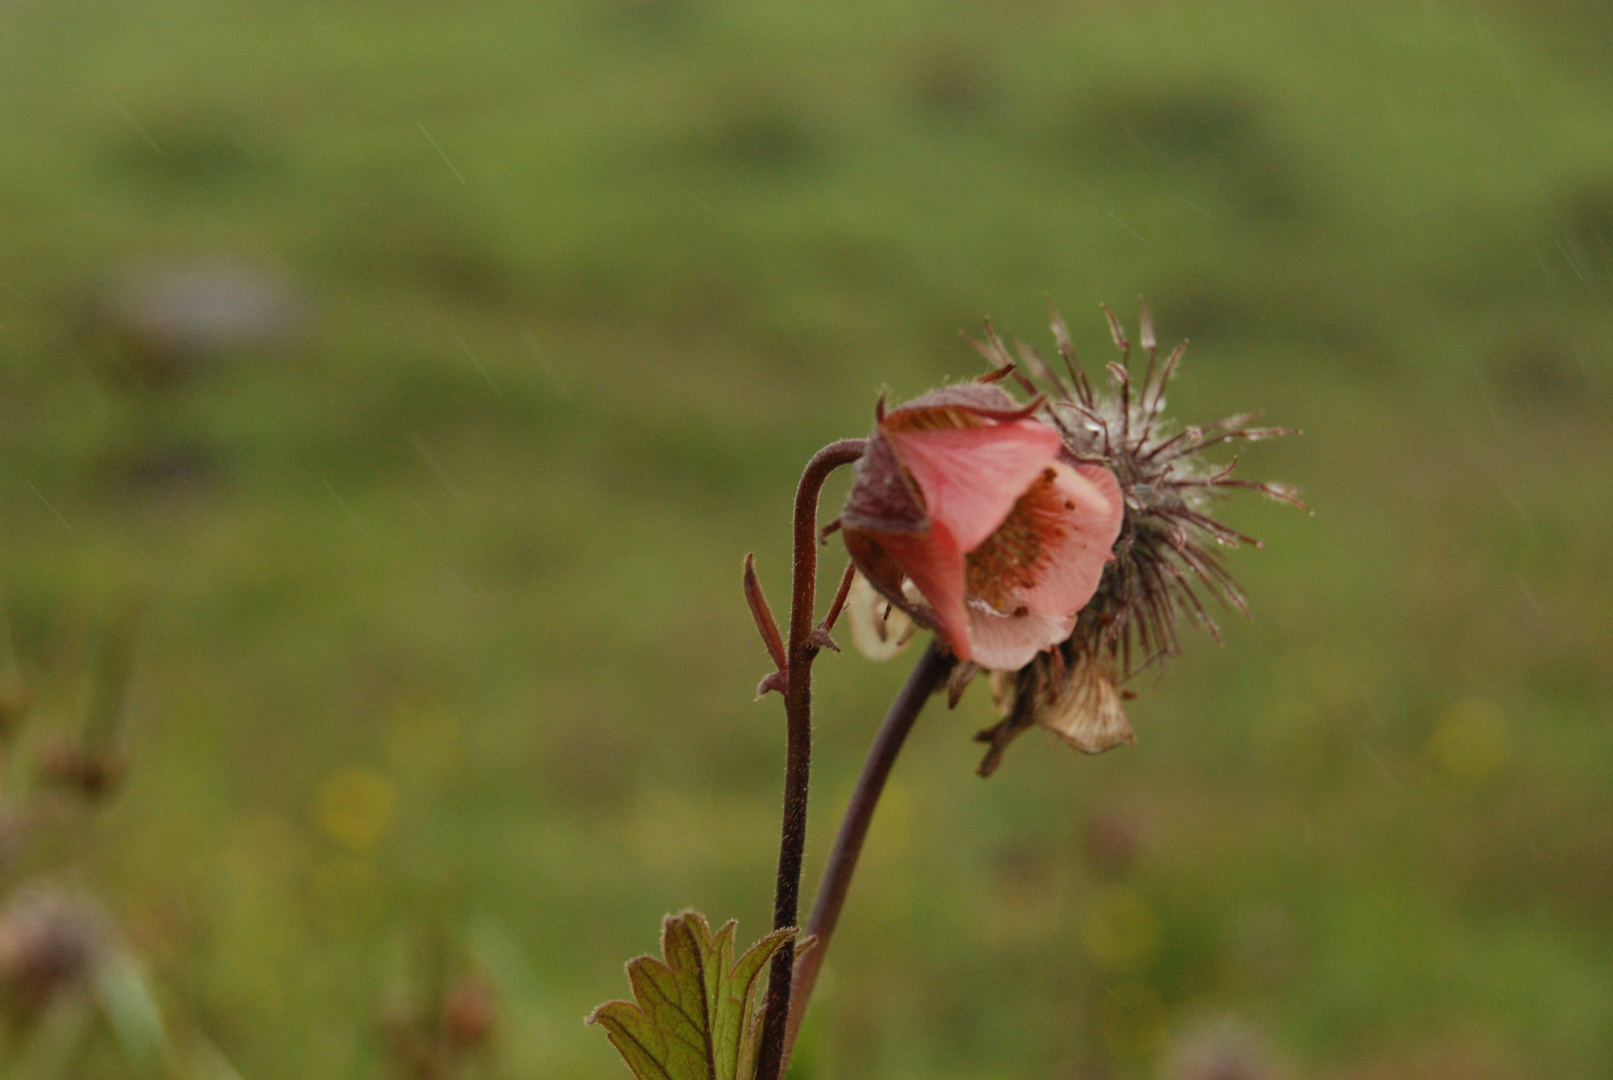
425, 370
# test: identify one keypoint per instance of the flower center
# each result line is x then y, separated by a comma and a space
1006, 561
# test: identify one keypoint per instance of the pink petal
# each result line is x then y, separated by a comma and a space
934, 562
1083, 511
1009, 642
971, 477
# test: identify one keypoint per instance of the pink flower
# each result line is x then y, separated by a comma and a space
967, 496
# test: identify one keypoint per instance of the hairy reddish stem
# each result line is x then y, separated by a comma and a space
798, 753
927, 676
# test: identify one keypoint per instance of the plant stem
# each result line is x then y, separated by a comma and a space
928, 675
798, 753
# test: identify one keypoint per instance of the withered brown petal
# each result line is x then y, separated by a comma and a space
879, 629
1087, 712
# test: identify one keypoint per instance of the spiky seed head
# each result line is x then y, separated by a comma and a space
1167, 559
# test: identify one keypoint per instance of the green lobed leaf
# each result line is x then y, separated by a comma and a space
697, 1016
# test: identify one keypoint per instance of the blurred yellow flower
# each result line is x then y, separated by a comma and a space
356, 806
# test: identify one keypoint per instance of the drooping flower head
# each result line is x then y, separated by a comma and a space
1053, 544
969, 497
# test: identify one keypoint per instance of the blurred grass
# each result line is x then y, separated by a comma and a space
585, 283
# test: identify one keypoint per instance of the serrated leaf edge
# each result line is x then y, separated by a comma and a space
647, 972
